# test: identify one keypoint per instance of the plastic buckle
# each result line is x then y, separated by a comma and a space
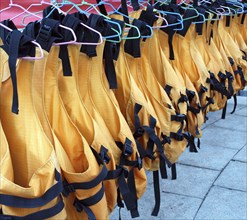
45, 32
240, 69
210, 100
124, 171
208, 80
78, 206
229, 75
139, 132
139, 163
190, 93
166, 139
106, 158
222, 76
231, 61
178, 117
199, 106
68, 188
127, 149
177, 136
183, 98
203, 89
103, 154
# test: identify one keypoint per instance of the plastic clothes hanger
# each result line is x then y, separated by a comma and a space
30, 13
158, 7
107, 19
11, 4
190, 7
114, 10
213, 14
202, 18
35, 43
157, 16
148, 26
42, 2
239, 7
84, 25
30, 6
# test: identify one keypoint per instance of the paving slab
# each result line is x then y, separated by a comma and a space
218, 136
242, 112
171, 207
234, 122
223, 204
191, 181
234, 176
241, 100
208, 157
242, 155
212, 117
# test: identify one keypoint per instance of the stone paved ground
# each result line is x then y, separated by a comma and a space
211, 184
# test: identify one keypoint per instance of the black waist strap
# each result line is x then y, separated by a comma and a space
216, 85
84, 204
183, 98
230, 81
203, 89
49, 195
209, 101
128, 190
241, 74
43, 214
94, 199
191, 142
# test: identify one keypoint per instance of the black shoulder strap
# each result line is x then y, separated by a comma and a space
124, 10
32, 29
73, 23
199, 26
102, 8
4, 32
96, 22
49, 33
188, 13
17, 45
82, 17
132, 46
148, 15
170, 31
111, 52
53, 13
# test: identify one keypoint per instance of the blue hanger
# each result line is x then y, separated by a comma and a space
119, 13
130, 25
107, 19
180, 20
